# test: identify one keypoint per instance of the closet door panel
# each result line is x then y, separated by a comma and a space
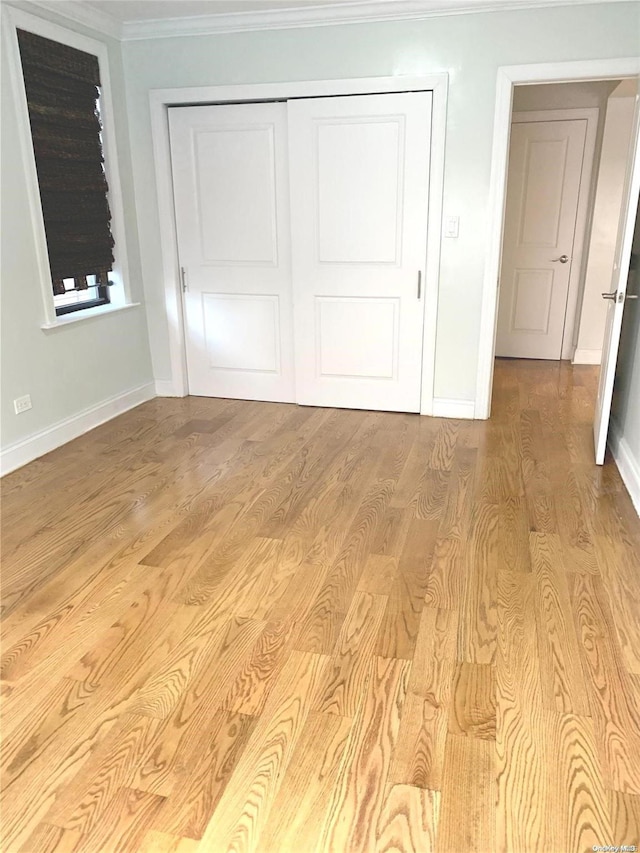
359, 169
230, 176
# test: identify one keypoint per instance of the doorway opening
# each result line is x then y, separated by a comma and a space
568, 155
565, 181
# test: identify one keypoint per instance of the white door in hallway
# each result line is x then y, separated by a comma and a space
232, 215
543, 189
359, 168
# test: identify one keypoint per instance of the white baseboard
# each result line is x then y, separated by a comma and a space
443, 408
628, 465
587, 356
166, 388
18, 454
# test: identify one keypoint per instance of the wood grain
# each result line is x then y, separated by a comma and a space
351, 817
408, 821
467, 810
249, 795
251, 626
580, 812
473, 702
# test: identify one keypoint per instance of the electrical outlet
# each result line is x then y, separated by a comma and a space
22, 404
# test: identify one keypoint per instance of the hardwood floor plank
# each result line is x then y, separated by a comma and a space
473, 701
477, 624
201, 780
401, 621
419, 755
51, 839
249, 691
348, 671
80, 805
615, 714
300, 805
378, 575
624, 811
560, 658
351, 818
580, 812
123, 824
418, 758
445, 583
250, 793
162, 842
522, 761
468, 802
179, 741
322, 625
408, 821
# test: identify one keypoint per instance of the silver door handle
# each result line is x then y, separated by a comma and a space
631, 296
613, 296
419, 283
563, 259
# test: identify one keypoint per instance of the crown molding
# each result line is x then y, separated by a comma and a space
76, 11
355, 12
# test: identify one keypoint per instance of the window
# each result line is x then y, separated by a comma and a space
62, 85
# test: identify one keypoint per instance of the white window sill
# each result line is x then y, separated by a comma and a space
87, 314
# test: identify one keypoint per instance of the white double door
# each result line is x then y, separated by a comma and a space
302, 240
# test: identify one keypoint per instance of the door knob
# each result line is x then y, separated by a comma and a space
563, 259
613, 296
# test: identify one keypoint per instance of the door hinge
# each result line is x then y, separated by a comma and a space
183, 277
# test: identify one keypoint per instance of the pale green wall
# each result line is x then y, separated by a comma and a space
469, 47
73, 368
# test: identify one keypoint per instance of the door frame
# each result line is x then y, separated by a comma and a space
586, 197
509, 76
161, 99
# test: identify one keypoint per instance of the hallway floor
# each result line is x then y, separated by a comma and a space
260, 627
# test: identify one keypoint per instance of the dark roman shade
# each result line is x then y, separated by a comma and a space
62, 86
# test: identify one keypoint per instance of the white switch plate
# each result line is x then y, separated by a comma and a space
451, 226
22, 404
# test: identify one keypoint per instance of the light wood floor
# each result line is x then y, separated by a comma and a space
252, 626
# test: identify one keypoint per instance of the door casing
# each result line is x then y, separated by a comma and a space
162, 99
509, 76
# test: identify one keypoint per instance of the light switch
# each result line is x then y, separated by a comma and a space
451, 226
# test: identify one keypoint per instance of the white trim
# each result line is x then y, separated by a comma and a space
81, 13
12, 20
355, 12
587, 356
88, 314
507, 78
162, 99
164, 388
628, 465
19, 454
584, 206
460, 409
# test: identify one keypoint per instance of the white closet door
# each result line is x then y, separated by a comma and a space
232, 215
359, 169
